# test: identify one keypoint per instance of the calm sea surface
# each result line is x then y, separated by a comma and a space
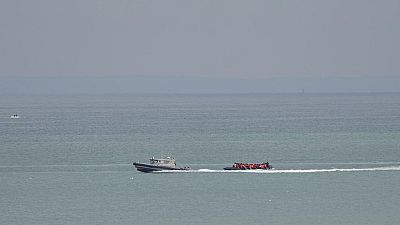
67, 159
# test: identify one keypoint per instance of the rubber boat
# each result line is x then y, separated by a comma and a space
249, 166
167, 163
15, 116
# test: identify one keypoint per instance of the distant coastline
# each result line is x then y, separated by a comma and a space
142, 85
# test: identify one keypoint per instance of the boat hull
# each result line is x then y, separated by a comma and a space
147, 168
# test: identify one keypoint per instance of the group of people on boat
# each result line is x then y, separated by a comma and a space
251, 166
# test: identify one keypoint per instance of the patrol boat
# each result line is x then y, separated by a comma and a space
167, 163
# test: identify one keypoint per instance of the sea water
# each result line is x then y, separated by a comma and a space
68, 159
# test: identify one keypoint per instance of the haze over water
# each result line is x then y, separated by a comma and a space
67, 160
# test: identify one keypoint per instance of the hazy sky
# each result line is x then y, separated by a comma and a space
353, 40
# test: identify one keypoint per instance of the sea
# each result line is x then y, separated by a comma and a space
68, 159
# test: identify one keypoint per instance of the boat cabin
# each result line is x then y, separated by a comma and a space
168, 161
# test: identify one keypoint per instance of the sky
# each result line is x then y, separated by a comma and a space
185, 46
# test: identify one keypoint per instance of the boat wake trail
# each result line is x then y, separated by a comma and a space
273, 171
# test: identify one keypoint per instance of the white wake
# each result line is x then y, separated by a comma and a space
273, 171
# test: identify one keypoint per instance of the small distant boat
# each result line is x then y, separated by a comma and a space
167, 163
249, 166
15, 116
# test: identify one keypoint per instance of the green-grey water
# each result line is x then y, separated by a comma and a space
67, 159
